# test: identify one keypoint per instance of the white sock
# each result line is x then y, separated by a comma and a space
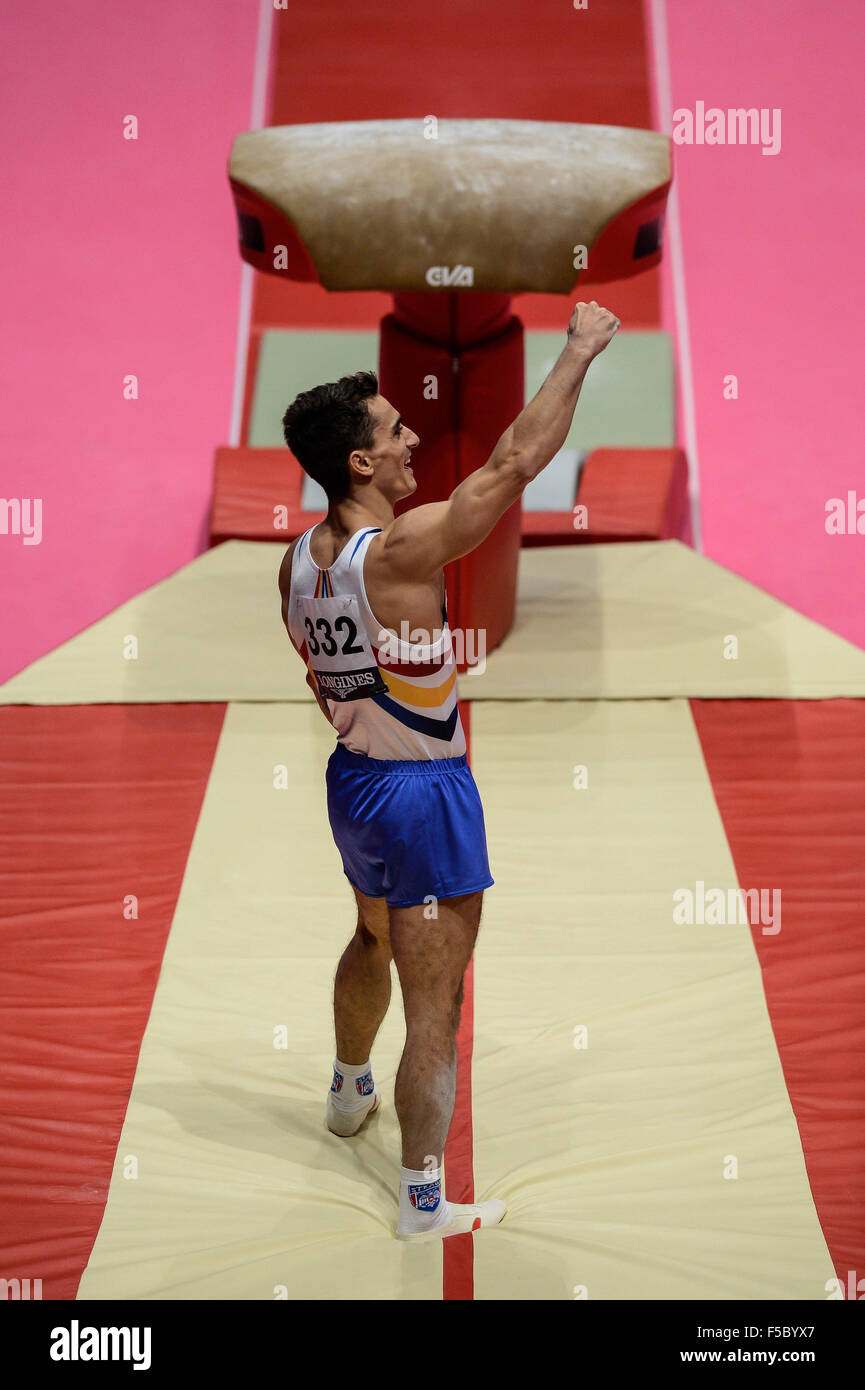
352, 1087
422, 1202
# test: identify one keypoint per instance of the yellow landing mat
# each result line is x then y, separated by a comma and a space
624, 621
612, 1155
241, 1192
642, 620
211, 631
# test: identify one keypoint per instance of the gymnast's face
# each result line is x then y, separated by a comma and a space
391, 451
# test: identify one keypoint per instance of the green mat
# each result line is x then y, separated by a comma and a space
627, 400
291, 362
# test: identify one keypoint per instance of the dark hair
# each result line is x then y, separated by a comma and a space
322, 426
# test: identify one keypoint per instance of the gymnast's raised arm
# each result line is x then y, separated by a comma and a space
422, 540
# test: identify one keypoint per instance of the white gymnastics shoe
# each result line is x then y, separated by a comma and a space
348, 1122
460, 1220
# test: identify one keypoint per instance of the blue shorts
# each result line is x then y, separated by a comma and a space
407, 831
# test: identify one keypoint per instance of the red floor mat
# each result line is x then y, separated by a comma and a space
788, 777
99, 802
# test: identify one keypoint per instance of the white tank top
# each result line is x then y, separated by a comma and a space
388, 699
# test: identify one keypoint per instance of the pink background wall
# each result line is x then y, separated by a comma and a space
119, 257
773, 256
99, 279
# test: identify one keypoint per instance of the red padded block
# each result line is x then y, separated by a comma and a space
479, 393
491, 395
634, 493
417, 377
405, 367
629, 495
248, 484
453, 320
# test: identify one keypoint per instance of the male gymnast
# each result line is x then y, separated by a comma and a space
402, 803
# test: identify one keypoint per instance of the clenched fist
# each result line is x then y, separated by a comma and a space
592, 327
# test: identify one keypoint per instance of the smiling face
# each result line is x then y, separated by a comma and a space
388, 463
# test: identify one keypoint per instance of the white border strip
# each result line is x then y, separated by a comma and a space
656, 24
257, 114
